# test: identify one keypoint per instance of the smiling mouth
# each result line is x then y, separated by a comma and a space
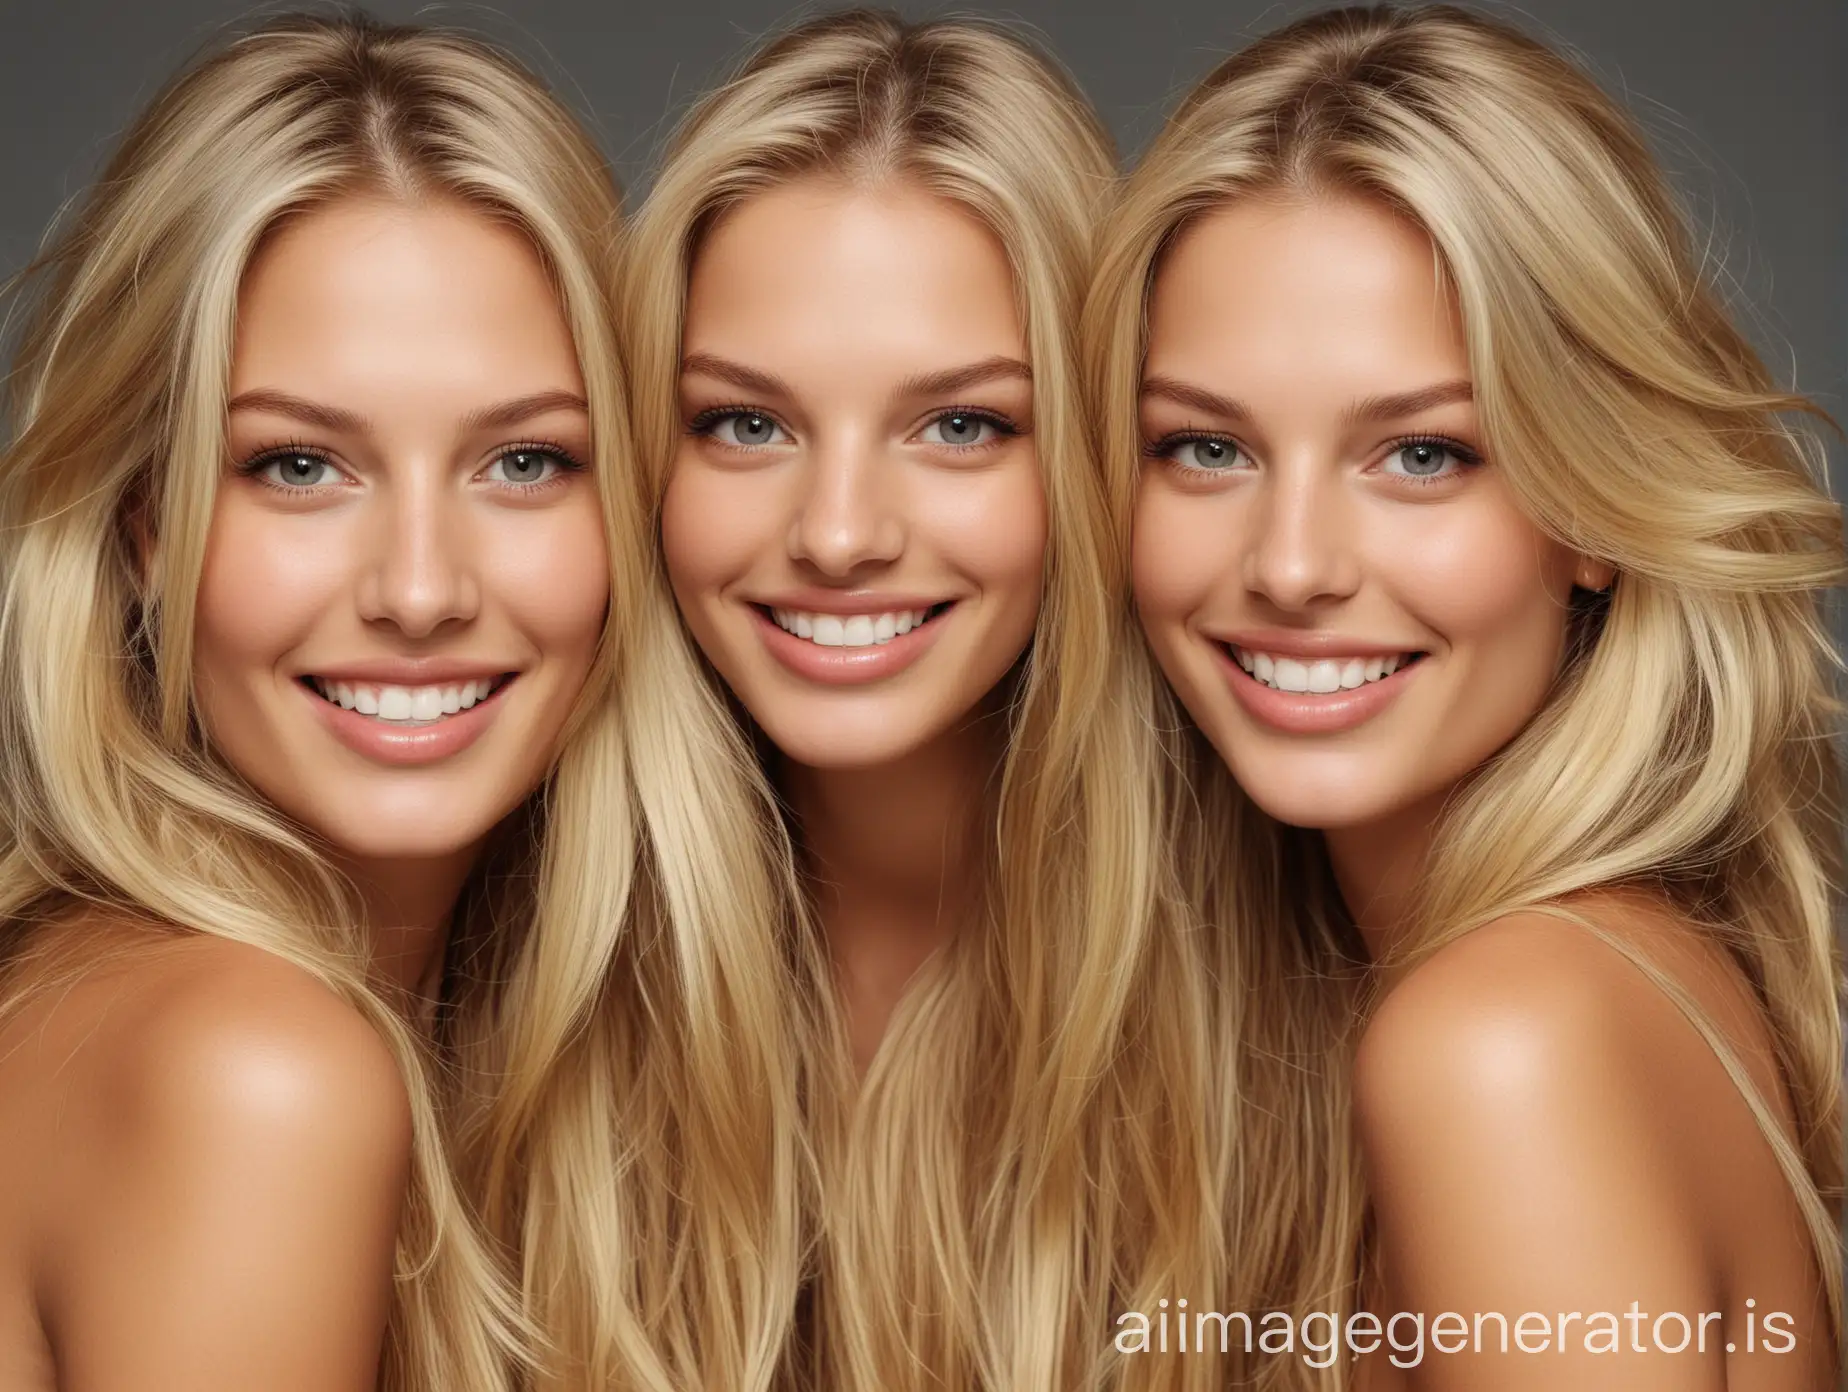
407, 707
1296, 676
852, 630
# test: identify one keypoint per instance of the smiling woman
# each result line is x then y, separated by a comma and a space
1488, 563
849, 313
316, 768
405, 556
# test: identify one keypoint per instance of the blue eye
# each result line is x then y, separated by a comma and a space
1202, 454
743, 429
291, 469
963, 429
1428, 460
525, 467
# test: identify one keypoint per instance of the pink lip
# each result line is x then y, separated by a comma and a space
1311, 713
847, 666
405, 748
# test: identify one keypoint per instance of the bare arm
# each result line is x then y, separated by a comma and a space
227, 1214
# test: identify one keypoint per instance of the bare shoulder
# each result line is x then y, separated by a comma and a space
162, 1034
1543, 1129
1535, 1011
223, 1149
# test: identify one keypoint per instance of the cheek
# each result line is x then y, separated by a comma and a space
995, 534
1177, 556
266, 581
553, 576
1485, 578
713, 526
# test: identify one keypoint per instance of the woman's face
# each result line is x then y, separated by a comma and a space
854, 524
1333, 574
406, 575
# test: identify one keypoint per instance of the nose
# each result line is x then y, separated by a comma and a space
418, 571
847, 513
1303, 552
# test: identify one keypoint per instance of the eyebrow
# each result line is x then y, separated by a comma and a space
941, 383
1384, 408
1372, 408
495, 417
955, 379
749, 378
1186, 394
281, 403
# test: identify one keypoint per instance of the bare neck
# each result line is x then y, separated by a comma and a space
1378, 866
895, 851
408, 906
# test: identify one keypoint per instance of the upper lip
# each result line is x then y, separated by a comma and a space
411, 671
1286, 643
847, 603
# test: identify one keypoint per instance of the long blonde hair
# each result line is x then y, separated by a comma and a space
1687, 744
1020, 1152
596, 1061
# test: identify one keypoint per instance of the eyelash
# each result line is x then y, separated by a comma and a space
1004, 428
1464, 455
568, 462
702, 423
1160, 451
253, 466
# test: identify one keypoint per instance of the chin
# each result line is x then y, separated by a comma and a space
1318, 794
407, 843
384, 823
845, 744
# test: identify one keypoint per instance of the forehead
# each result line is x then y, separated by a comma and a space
374, 292
1340, 284
818, 270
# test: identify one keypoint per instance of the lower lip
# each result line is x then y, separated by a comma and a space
408, 746
847, 666
1312, 713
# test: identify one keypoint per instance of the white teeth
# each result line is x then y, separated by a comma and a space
848, 631
405, 705
1320, 677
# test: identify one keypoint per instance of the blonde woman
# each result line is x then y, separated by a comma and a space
850, 304
1487, 559
317, 555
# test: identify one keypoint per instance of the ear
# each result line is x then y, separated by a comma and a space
1593, 575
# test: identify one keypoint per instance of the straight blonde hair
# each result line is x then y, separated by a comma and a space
1025, 1148
1686, 747
604, 1083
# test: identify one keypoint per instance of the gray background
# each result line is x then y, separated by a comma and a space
1747, 105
